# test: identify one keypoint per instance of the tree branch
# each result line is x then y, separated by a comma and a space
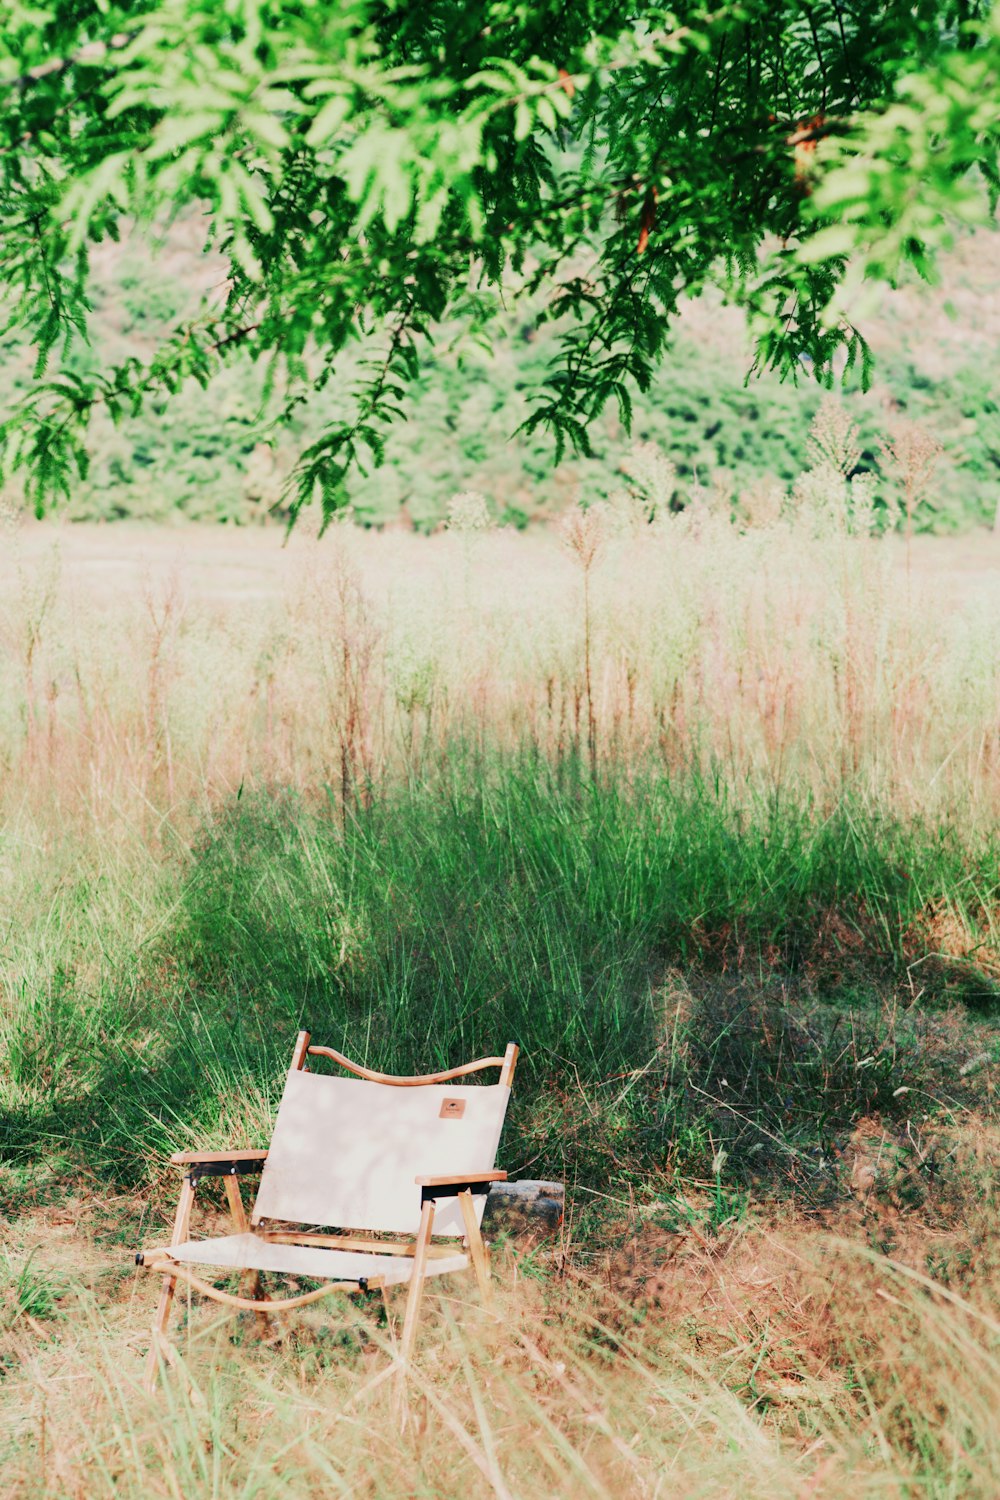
90, 52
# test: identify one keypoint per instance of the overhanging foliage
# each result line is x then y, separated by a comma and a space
372, 169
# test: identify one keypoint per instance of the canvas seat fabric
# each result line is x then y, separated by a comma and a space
250, 1252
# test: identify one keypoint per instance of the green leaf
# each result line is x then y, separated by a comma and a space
178, 131
330, 120
827, 244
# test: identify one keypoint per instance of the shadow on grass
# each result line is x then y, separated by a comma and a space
437, 925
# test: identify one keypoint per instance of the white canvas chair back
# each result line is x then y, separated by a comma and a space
346, 1151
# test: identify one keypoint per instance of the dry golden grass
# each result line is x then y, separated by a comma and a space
770, 1360
139, 685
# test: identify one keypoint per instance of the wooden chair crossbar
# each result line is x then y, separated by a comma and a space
506, 1064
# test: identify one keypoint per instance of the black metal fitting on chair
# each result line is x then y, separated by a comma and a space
452, 1190
221, 1169
140, 1259
362, 1283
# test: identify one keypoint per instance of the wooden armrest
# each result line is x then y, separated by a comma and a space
189, 1158
458, 1179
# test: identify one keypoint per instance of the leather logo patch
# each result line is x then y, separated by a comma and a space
451, 1109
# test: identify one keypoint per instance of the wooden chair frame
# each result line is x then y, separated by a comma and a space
231, 1165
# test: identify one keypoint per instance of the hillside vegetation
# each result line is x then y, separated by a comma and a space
218, 456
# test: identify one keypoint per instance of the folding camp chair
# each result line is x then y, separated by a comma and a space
374, 1154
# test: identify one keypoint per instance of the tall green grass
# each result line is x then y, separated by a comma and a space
493, 903
447, 917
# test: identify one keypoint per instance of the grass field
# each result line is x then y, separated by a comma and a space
705, 818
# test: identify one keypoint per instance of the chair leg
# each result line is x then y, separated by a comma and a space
182, 1219
253, 1287
477, 1249
416, 1287
387, 1310
236, 1210
159, 1332
251, 1283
